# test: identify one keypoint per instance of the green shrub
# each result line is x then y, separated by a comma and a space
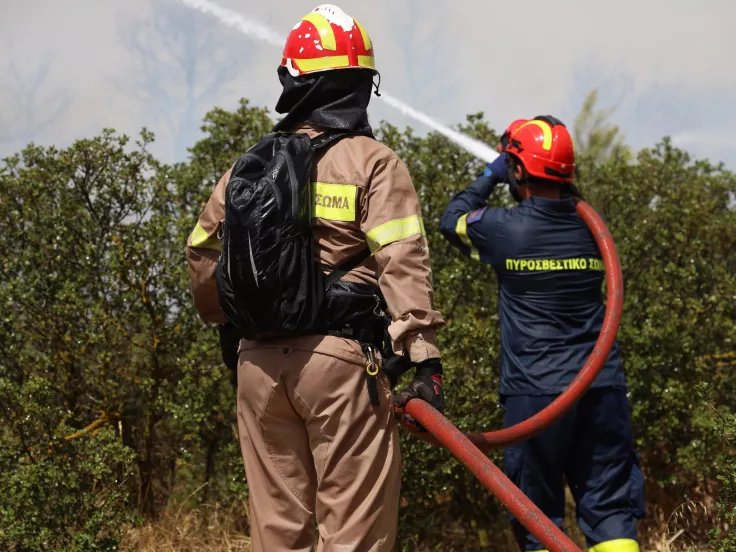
723, 538
97, 324
65, 495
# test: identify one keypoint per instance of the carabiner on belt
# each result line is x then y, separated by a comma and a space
371, 371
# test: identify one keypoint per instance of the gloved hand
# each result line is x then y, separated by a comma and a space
427, 386
229, 343
497, 170
394, 367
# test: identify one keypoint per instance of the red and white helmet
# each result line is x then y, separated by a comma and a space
327, 39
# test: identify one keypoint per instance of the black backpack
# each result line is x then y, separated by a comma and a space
268, 280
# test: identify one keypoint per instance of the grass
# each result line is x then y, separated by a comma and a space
209, 528
682, 529
212, 528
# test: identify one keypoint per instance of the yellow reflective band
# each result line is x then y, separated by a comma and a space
201, 239
326, 34
333, 62
366, 38
320, 64
579, 263
334, 201
546, 130
618, 545
394, 230
461, 229
367, 61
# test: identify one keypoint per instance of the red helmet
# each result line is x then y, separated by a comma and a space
544, 146
326, 39
509, 131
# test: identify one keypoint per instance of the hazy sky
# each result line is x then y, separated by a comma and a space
70, 68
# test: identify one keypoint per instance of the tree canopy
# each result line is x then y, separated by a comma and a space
115, 403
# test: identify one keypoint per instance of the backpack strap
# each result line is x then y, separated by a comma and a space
328, 138
346, 266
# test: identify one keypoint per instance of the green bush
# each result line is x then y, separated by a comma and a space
97, 327
67, 495
723, 538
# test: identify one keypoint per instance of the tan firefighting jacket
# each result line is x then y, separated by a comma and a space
362, 192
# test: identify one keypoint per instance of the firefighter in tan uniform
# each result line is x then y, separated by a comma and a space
316, 448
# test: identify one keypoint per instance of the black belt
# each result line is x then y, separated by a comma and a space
370, 332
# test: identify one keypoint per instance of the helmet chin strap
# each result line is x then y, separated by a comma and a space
378, 86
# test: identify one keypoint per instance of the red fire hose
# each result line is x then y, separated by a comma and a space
467, 448
492, 478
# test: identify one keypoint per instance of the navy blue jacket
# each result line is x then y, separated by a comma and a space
550, 275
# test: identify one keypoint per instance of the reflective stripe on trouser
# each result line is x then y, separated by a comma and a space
316, 450
617, 545
592, 448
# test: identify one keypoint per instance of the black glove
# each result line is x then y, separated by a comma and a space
394, 366
427, 386
229, 343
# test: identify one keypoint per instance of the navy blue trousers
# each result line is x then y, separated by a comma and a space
592, 449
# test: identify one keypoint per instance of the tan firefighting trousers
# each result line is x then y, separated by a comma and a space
315, 449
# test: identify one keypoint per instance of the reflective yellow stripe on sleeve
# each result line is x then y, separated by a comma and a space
201, 239
394, 230
617, 545
462, 231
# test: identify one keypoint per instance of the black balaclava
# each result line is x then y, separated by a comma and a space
331, 99
566, 189
513, 181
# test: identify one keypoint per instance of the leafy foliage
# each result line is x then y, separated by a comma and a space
594, 136
69, 497
114, 399
723, 537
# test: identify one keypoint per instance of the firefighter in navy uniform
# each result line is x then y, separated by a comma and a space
550, 274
